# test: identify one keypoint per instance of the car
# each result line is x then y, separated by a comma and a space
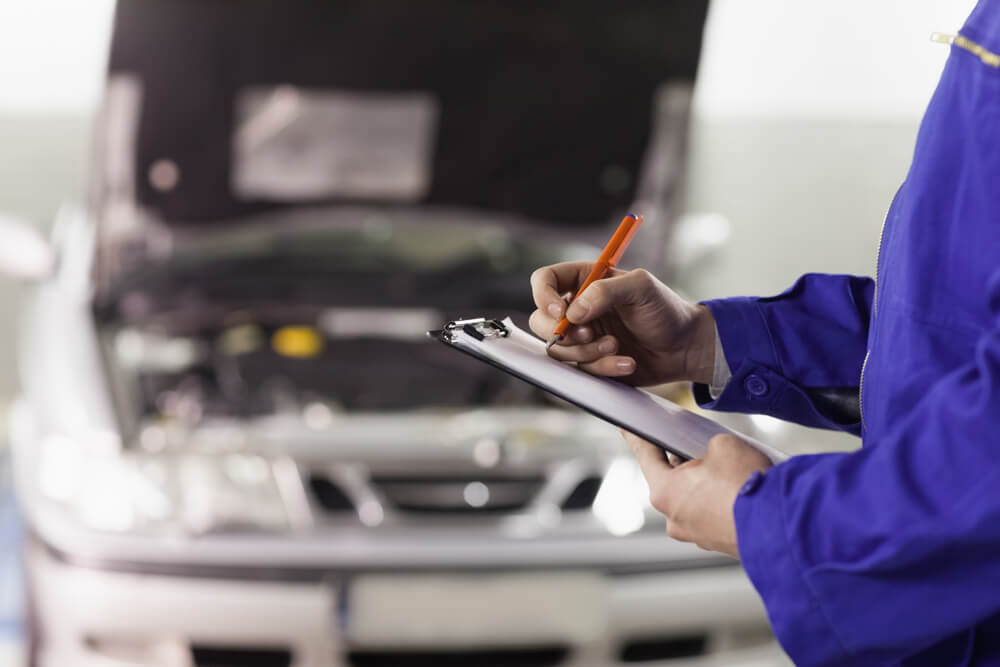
235, 444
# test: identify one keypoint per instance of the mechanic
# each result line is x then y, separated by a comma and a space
886, 555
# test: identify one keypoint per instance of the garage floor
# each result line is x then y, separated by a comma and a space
10, 654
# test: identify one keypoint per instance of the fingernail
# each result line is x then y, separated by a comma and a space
584, 334
555, 310
578, 309
606, 346
627, 365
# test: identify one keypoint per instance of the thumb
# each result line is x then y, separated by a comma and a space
602, 295
731, 450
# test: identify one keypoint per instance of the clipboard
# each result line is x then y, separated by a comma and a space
664, 423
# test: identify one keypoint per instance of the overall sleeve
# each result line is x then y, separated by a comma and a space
861, 557
796, 356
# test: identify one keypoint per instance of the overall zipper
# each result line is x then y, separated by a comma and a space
988, 58
864, 364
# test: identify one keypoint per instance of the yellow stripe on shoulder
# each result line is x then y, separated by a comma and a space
987, 56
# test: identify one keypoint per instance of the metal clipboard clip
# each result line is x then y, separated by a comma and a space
479, 328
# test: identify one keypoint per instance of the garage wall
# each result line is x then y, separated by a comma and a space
850, 59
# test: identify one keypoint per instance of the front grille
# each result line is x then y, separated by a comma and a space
329, 495
582, 497
458, 494
203, 655
670, 648
522, 657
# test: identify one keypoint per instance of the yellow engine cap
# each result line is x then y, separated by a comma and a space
299, 342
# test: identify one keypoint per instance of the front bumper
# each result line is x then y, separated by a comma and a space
90, 616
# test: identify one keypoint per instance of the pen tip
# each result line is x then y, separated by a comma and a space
552, 342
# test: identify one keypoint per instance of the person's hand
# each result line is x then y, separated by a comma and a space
697, 496
628, 325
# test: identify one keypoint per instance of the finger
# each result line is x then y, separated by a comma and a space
602, 295
651, 458
602, 347
543, 325
578, 335
550, 283
610, 366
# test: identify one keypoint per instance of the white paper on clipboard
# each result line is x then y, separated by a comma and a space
656, 419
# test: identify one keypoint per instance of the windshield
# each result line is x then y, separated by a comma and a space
256, 322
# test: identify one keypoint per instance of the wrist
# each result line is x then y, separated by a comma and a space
700, 360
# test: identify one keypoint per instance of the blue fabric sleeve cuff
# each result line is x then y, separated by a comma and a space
768, 558
757, 385
743, 331
747, 346
756, 389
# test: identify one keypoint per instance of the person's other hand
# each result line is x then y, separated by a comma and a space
697, 496
628, 325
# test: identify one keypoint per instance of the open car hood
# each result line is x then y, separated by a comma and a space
554, 113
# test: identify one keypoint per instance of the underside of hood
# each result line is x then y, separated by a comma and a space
556, 112
527, 104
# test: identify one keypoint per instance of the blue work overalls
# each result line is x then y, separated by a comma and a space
890, 555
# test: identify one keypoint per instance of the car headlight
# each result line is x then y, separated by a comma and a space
622, 502
230, 491
191, 493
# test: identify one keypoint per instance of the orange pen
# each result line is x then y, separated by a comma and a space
613, 252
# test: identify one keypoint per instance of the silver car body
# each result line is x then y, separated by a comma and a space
176, 572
